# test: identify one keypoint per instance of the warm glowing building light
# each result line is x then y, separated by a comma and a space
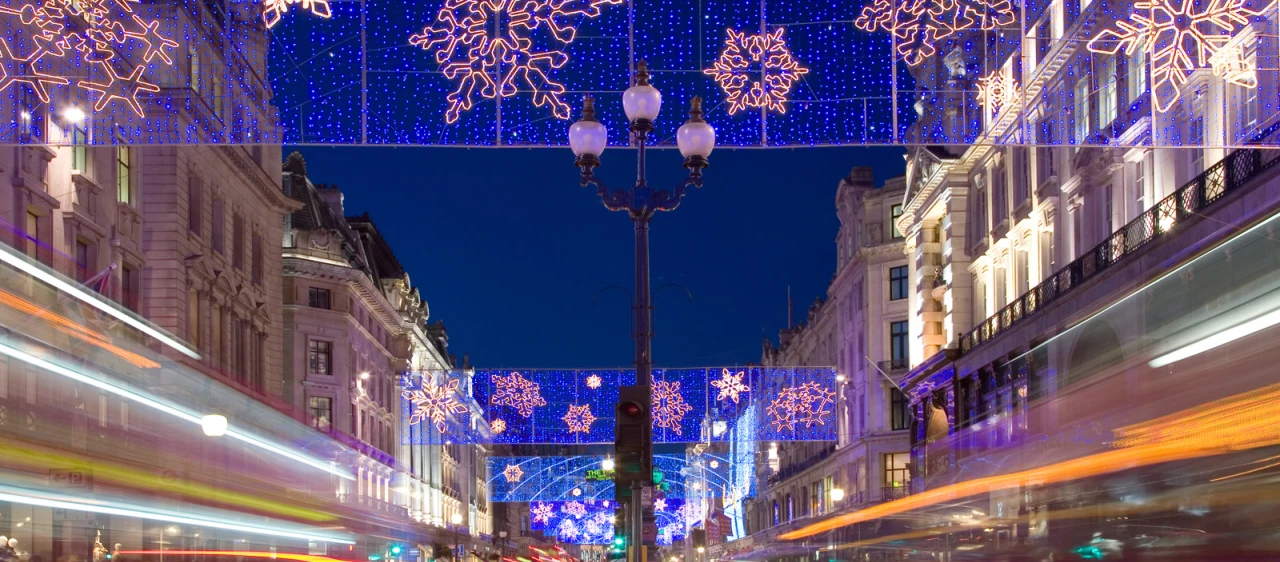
607, 464
837, 494
73, 114
125, 510
214, 425
26, 265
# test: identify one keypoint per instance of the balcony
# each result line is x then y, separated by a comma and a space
895, 365
801, 466
373, 504
1227, 176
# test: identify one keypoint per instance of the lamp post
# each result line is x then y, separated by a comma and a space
695, 139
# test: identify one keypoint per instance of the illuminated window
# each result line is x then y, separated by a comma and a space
320, 357
1080, 117
33, 234
124, 174
895, 213
320, 412
1107, 95
896, 474
1137, 73
80, 153
216, 82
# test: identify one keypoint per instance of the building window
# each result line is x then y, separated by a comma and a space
1107, 94
791, 507
898, 344
216, 82
999, 194
33, 235
1022, 269
978, 205
219, 222
899, 410
1047, 261
124, 174
82, 261
1139, 186
256, 258
194, 209
195, 69
897, 283
319, 298
193, 318
1137, 73
320, 357
776, 514
1249, 111
895, 212
237, 242
129, 287
1107, 207
1195, 140
320, 412
895, 470
80, 153
1077, 231
1080, 117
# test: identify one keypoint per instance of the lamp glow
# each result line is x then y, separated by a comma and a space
642, 101
607, 464
837, 494
214, 425
73, 114
456, 519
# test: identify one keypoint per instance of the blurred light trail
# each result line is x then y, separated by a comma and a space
125, 510
25, 456
26, 265
1250, 471
1219, 339
1244, 421
239, 553
98, 381
71, 328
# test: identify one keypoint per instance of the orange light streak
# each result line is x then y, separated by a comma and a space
1244, 421
74, 329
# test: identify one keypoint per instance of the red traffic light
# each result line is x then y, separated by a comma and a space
631, 409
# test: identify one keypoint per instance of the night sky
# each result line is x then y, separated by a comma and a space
510, 252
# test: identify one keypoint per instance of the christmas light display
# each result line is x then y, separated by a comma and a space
1180, 37
756, 71
805, 404
579, 418
575, 509
512, 473
918, 25
996, 91
437, 403
557, 406
555, 479
669, 407
593, 382
517, 392
273, 10
660, 504
91, 32
730, 385
541, 512
488, 47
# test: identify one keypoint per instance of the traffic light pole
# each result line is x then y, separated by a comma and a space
635, 520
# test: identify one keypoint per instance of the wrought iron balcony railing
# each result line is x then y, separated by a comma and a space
1228, 175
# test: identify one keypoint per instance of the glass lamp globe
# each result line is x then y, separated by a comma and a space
641, 101
588, 137
696, 137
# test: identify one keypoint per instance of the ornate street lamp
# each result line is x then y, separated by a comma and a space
588, 138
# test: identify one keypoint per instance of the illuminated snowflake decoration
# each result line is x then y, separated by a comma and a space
594, 527
756, 71
807, 404
497, 426
513, 473
660, 504
273, 10
714, 464
669, 407
593, 382
574, 509
1181, 38
730, 385
487, 46
918, 25
435, 402
579, 418
996, 91
518, 392
542, 512
92, 31
568, 530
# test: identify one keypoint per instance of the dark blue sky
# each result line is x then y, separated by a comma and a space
509, 252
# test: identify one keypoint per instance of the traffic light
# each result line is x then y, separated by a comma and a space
633, 441
620, 530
